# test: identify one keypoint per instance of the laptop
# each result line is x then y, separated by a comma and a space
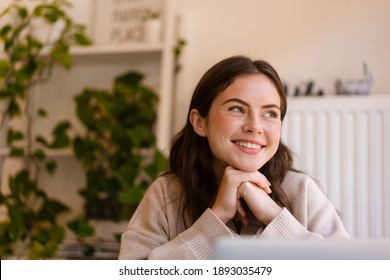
257, 249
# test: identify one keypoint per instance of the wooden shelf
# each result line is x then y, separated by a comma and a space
4, 152
116, 49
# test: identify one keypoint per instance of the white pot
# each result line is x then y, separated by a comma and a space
153, 28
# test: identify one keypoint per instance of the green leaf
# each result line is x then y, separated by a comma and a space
60, 53
42, 112
13, 108
18, 224
60, 141
159, 164
22, 12
129, 78
41, 139
45, 241
39, 154
78, 147
161, 161
81, 39
6, 11
14, 135
16, 152
61, 138
51, 167
132, 195
61, 128
141, 136
8, 43
38, 10
21, 185
51, 209
50, 12
4, 68
81, 227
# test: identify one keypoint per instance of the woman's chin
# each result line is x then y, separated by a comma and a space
246, 168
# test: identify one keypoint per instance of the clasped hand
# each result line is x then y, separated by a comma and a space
253, 188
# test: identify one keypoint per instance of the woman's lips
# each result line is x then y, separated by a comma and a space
249, 146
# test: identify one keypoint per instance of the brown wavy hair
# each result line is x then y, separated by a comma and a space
191, 160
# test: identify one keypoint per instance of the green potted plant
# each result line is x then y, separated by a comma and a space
30, 228
117, 149
153, 27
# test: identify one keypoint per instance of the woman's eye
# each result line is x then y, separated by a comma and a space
237, 109
271, 114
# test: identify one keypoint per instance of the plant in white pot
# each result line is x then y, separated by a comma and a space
153, 28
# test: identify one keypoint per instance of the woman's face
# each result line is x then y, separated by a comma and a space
243, 126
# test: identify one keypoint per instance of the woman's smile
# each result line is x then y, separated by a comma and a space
249, 147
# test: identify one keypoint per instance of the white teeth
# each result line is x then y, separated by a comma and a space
249, 145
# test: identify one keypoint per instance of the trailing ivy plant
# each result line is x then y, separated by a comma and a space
118, 149
30, 228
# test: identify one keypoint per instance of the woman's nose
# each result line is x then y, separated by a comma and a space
253, 125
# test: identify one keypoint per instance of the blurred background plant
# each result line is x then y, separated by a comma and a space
117, 149
28, 54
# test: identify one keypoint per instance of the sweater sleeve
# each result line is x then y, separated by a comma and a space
313, 216
156, 230
197, 242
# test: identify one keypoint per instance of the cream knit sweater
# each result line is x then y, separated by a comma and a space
156, 230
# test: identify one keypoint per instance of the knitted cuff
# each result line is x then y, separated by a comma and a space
204, 233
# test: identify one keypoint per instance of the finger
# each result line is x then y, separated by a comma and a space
244, 220
263, 183
244, 187
242, 214
267, 189
241, 211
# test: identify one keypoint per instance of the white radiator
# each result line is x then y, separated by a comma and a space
344, 143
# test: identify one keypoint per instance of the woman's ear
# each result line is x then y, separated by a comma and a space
198, 123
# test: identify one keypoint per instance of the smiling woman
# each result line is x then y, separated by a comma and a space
230, 175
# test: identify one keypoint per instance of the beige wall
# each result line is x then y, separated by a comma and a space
304, 39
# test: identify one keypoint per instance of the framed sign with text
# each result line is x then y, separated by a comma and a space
123, 21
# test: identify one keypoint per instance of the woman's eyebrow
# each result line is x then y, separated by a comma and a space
238, 100
268, 106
